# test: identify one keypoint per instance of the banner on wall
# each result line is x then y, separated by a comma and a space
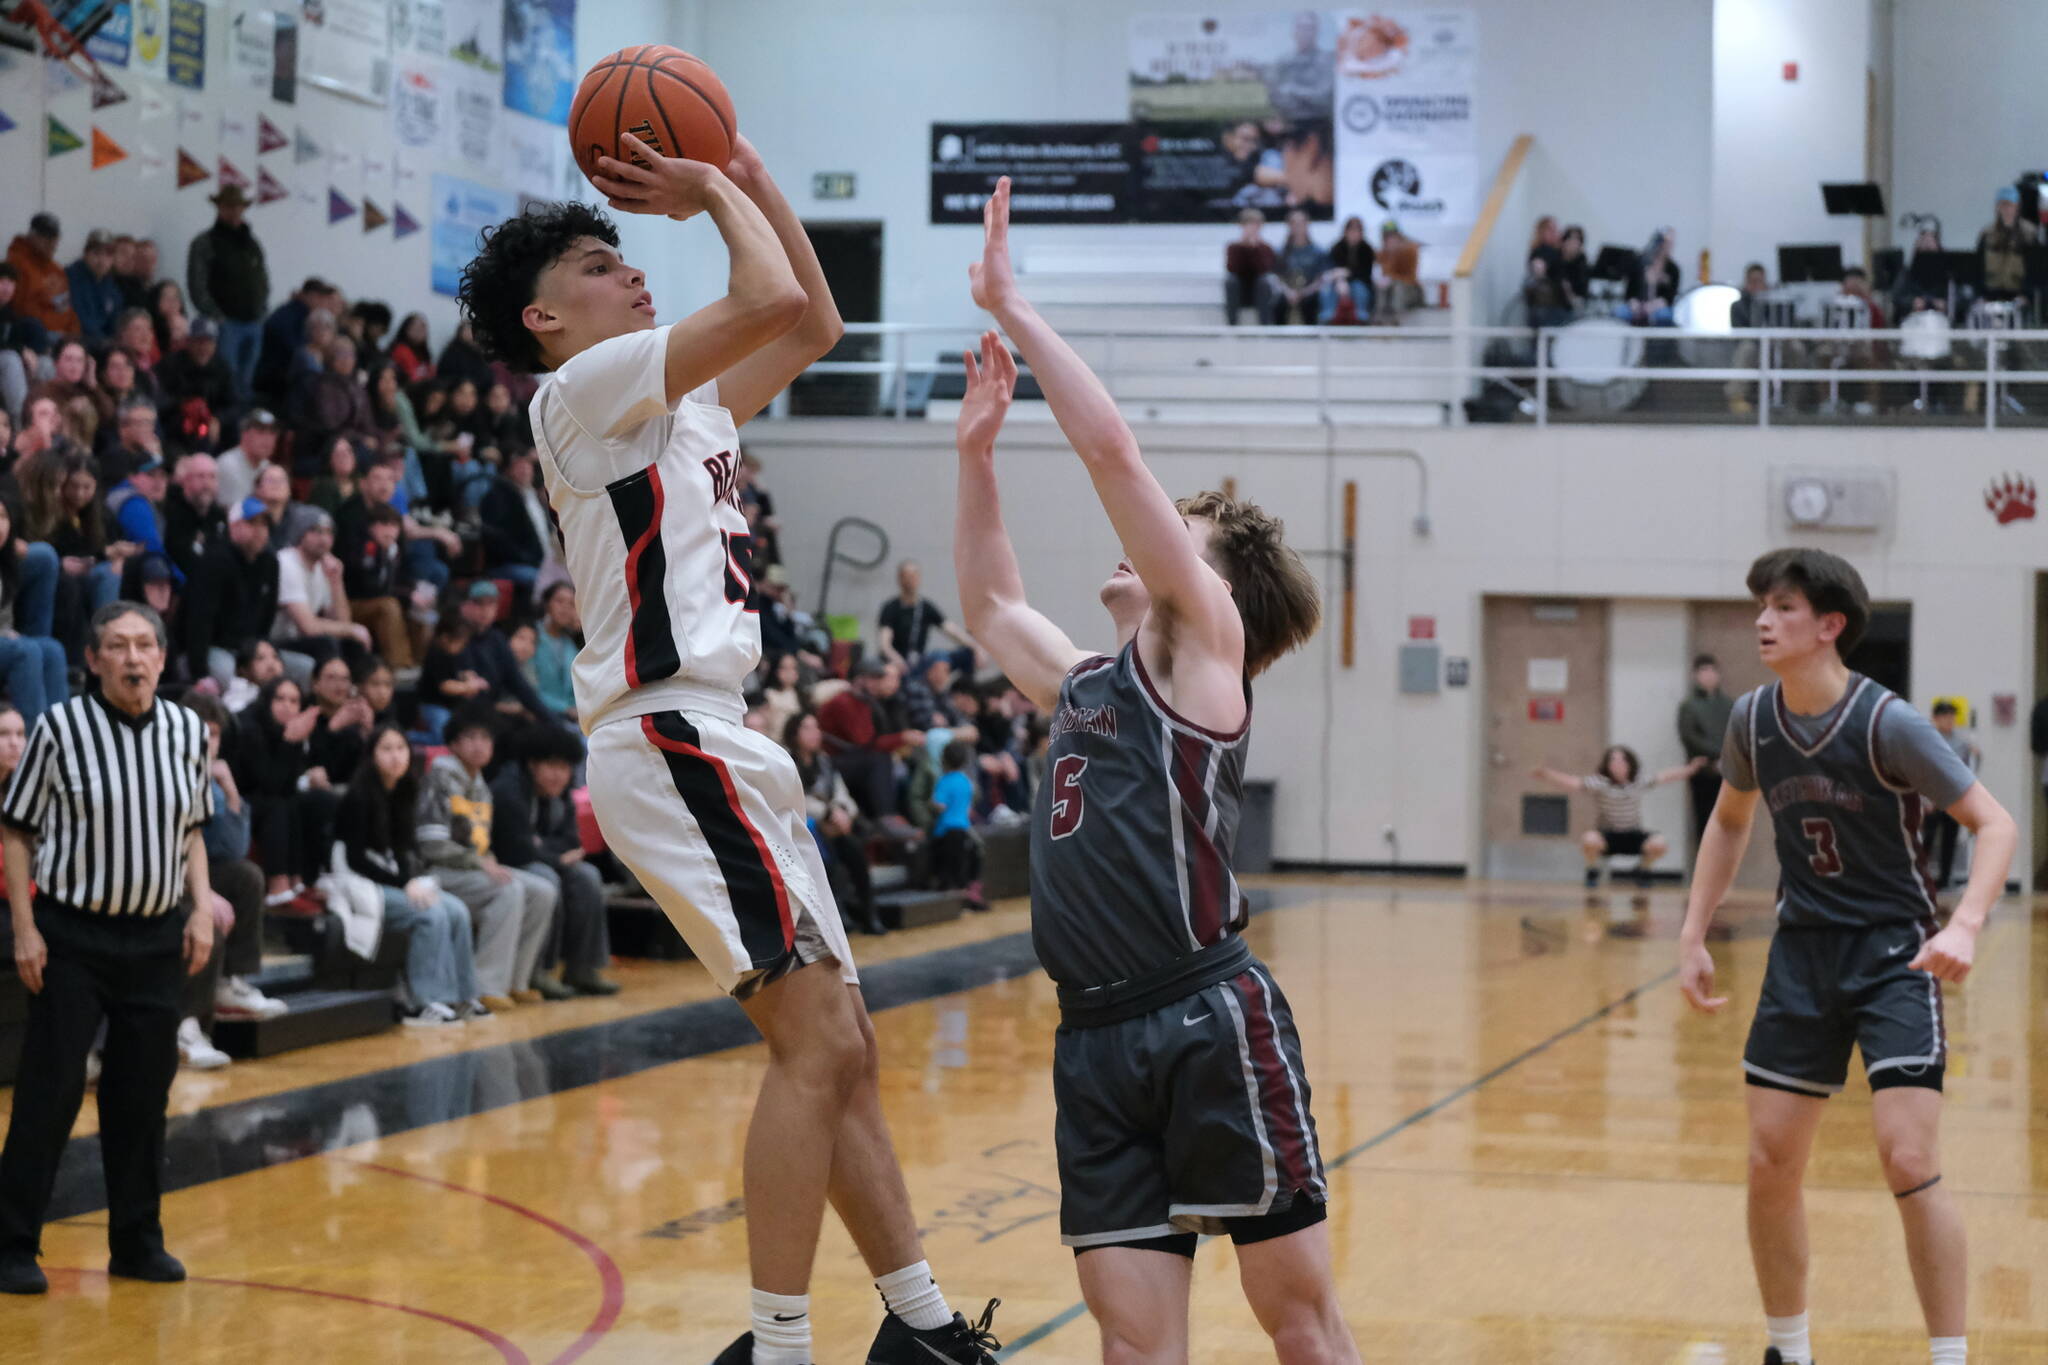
373, 217
476, 83
1233, 111
1406, 138
540, 58
269, 137
269, 189
263, 52
59, 139
345, 47
149, 28
190, 170
230, 175
109, 44
105, 93
151, 159
185, 44
105, 151
304, 148
420, 28
418, 112
462, 209
338, 206
403, 224
1059, 172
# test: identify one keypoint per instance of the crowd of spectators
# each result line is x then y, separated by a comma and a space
1346, 283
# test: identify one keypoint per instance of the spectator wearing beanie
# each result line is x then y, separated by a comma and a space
95, 293
197, 387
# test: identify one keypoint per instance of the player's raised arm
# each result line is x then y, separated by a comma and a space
1146, 520
1034, 653
763, 299
752, 384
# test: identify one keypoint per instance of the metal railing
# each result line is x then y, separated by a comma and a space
1604, 372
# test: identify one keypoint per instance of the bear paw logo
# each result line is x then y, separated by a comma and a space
2011, 499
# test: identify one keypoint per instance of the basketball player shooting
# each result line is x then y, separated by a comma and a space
636, 426
1847, 771
1182, 1107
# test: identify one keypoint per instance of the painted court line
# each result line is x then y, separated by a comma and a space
1067, 1315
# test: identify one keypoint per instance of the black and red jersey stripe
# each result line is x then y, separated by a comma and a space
1208, 879
1281, 1104
638, 502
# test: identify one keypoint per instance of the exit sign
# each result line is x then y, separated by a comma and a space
832, 185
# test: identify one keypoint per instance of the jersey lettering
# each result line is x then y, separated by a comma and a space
1827, 854
724, 469
1068, 806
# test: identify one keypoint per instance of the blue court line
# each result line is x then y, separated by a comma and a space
1061, 1319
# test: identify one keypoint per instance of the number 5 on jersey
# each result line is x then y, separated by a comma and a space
1067, 804
1827, 855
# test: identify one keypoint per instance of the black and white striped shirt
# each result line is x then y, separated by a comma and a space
111, 798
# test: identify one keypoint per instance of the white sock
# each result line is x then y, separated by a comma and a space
1948, 1350
912, 1294
782, 1328
1788, 1335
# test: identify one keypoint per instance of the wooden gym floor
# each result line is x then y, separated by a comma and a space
1536, 1155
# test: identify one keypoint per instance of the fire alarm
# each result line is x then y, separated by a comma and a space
1791, 71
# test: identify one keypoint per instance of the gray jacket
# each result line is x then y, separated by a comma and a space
455, 816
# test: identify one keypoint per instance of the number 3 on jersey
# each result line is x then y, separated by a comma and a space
1826, 860
1067, 804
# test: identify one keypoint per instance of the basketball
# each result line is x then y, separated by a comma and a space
662, 95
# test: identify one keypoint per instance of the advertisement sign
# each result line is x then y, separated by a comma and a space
1059, 172
109, 45
462, 209
1406, 140
185, 55
345, 46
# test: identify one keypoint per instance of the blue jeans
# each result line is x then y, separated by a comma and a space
522, 574
440, 958
414, 485
35, 607
240, 345
423, 561
34, 668
1361, 301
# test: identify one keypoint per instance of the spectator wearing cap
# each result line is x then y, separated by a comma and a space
44, 290
313, 617
488, 656
198, 388
137, 504
228, 282
152, 582
23, 345
2003, 246
232, 599
373, 573
516, 533
238, 467
285, 330
132, 442
95, 293
193, 515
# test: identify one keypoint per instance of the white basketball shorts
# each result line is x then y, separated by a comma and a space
710, 816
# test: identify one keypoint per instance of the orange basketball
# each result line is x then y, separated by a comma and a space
662, 95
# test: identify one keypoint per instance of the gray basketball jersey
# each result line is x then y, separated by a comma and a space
1132, 830
1848, 832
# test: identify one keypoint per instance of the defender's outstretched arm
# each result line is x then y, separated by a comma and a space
1146, 521
1031, 650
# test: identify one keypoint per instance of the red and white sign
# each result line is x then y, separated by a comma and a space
1547, 710
1422, 627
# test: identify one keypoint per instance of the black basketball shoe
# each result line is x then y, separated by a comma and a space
959, 1341
1771, 1356
741, 1352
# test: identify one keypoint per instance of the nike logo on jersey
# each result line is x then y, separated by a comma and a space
1902, 950
1194, 1019
1767, 739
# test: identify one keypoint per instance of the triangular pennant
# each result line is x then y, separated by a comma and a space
338, 206
403, 224
105, 92
190, 170
304, 148
232, 129
155, 108
373, 217
105, 151
268, 190
190, 117
61, 139
230, 176
7, 125
269, 137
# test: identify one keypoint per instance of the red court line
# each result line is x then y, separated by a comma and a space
508, 1352
613, 1298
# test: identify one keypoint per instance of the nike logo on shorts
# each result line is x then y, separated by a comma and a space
1194, 1019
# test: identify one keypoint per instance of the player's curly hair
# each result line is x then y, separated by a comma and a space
1277, 597
499, 280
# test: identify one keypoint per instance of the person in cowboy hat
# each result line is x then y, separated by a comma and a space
227, 280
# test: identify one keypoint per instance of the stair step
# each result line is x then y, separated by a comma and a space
316, 1017
640, 928
1006, 860
283, 973
915, 909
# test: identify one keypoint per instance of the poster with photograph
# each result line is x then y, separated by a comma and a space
540, 58
1407, 146
462, 209
1059, 172
345, 46
475, 72
1233, 111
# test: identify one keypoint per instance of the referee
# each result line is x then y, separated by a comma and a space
104, 813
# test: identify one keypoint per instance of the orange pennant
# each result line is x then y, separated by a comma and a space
106, 151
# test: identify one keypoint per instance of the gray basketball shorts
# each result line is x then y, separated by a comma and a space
1828, 991
1193, 1118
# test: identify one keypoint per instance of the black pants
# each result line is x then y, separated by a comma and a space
956, 859
1705, 786
128, 971
1942, 830
870, 778
239, 952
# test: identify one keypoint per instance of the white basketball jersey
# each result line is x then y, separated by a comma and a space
647, 497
